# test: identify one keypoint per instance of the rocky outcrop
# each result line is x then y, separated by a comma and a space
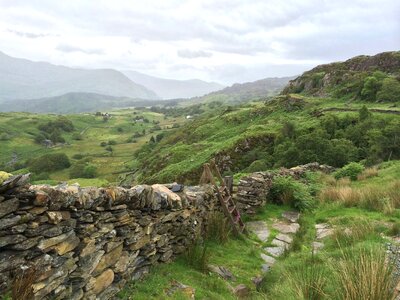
320, 80
86, 243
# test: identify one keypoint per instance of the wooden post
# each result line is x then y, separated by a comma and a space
228, 180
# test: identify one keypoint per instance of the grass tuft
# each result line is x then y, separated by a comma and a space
218, 228
197, 256
365, 274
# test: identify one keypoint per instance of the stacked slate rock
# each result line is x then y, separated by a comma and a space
252, 190
67, 242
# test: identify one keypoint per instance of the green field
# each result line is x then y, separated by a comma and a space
20, 130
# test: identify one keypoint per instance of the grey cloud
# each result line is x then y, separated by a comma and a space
68, 48
29, 35
187, 53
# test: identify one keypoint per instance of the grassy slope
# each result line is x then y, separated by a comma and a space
173, 158
21, 127
242, 256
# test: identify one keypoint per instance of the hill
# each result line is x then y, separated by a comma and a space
174, 89
243, 92
24, 79
294, 128
71, 103
361, 77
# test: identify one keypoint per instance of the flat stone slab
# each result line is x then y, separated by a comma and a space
269, 260
280, 243
323, 230
275, 251
260, 228
285, 238
265, 268
291, 216
317, 246
286, 228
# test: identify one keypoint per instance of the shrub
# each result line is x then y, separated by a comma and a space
288, 191
258, 165
218, 228
197, 256
83, 170
49, 162
365, 274
351, 170
112, 142
77, 156
103, 144
77, 137
4, 137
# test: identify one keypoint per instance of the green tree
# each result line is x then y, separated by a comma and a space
390, 90
370, 88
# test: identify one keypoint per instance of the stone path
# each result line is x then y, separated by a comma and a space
260, 229
323, 230
287, 227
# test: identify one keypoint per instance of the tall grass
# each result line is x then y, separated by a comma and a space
383, 199
197, 255
308, 281
22, 284
368, 173
353, 233
365, 274
218, 228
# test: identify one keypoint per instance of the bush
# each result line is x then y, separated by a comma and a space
258, 165
103, 144
351, 170
77, 137
288, 191
112, 142
83, 170
49, 162
77, 156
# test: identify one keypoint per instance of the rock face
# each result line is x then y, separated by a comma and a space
86, 243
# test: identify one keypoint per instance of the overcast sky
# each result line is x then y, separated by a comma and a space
225, 41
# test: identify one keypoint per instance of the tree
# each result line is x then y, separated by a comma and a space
49, 162
370, 88
390, 90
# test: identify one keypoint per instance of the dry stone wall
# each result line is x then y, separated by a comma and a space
69, 242
253, 189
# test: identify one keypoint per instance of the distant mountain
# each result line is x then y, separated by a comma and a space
242, 92
24, 79
174, 89
75, 103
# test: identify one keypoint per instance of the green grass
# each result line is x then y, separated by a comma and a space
21, 128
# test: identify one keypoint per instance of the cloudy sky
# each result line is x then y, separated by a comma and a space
225, 41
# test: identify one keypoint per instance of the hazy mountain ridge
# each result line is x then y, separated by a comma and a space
71, 103
25, 79
174, 89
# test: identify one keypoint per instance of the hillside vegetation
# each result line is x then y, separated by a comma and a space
291, 129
